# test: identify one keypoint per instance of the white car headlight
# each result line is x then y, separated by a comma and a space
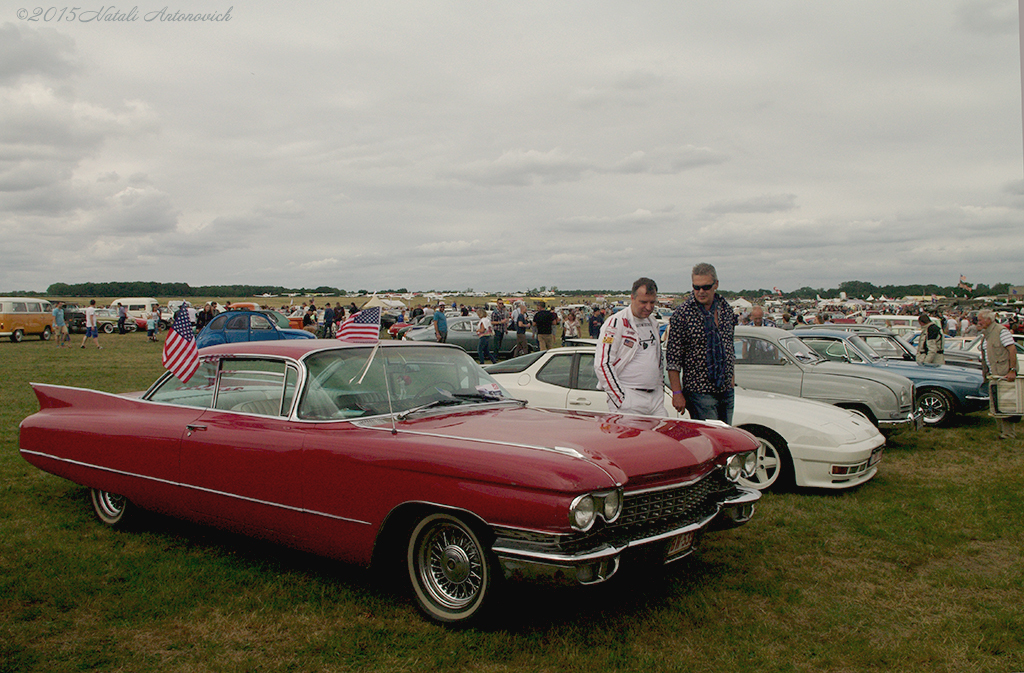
734, 467
749, 464
582, 512
612, 506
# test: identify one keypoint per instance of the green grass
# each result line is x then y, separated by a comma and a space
918, 570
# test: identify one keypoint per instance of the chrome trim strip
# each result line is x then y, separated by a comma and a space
193, 487
500, 442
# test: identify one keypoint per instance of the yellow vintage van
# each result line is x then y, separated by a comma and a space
20, 316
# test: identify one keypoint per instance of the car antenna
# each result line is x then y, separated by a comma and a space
387, 384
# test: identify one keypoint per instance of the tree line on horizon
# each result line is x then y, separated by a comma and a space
854, 289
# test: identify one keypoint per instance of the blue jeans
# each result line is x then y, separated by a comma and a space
711, 406
484, 350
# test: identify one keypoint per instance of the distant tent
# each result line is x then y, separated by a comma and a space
383, 303
741, 304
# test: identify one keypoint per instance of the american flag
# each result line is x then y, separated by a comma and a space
181, 356
362, 327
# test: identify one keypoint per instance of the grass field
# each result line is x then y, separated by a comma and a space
918, 570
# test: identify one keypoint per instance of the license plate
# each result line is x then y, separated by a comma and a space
875, 457
679, 544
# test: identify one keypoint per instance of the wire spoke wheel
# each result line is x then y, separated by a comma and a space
450, 572
110, 508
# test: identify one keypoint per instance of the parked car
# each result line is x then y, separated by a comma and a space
106, 321
405, 453
462, 333
972, 347
399, 329
20, 316
775, 360
236, 326
952, 350
806, 443
942, 390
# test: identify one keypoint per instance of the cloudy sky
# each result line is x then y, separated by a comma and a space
513, 144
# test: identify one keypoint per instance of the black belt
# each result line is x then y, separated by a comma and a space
644, 390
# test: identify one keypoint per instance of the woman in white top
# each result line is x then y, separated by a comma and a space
485, 331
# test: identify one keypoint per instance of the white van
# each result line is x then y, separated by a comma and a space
23, 315
898, 324
138, 307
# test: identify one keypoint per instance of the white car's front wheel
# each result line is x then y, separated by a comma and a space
774, 466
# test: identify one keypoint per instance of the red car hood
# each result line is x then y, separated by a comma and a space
637, 451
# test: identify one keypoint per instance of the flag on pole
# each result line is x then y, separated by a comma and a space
362, 327
181, 356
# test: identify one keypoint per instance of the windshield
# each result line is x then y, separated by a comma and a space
799, 350
866, 350
515, 365
341, 385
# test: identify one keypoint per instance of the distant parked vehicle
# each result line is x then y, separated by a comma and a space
942, 390
236, 326
776, 361
21, 316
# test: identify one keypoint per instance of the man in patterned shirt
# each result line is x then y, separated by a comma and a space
699, 353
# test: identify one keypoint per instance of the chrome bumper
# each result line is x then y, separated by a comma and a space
598, 564
914, 420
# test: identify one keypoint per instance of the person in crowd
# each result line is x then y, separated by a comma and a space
951, 325
486, 334
152, 320
570, 326
440, 324
628, 360
998, 359
757, 318
91, 331
60, 327
930, 344
521, 321
122, 316
787, 322
328, 320
545, 321
595, 321
699, 352
499, 323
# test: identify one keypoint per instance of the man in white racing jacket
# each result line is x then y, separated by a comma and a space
628, 360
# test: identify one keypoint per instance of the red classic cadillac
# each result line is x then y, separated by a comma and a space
370, 454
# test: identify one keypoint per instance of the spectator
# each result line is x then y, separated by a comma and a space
486, 334
628, 357
545, 321
700, 351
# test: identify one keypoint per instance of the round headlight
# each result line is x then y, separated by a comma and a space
733, 467
581, 514
749, 464
612, 506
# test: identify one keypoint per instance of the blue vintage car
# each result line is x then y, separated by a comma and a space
235, 326
942, 390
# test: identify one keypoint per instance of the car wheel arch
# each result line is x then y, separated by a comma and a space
931, 399
394, 531
860, 409
786, 475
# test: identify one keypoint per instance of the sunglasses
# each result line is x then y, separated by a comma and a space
703, 287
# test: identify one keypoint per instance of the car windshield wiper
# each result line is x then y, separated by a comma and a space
436, 403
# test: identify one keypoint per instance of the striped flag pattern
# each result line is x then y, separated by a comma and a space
181, 356
362, 327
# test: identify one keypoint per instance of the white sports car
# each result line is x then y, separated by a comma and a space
806, 443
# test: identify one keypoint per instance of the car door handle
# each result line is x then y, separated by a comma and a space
580, 402
194, 428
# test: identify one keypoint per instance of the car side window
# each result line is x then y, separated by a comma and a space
196, 392
586, 378
558, 371
259, 322
218, 322
237, 322
252, 386
754, 351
